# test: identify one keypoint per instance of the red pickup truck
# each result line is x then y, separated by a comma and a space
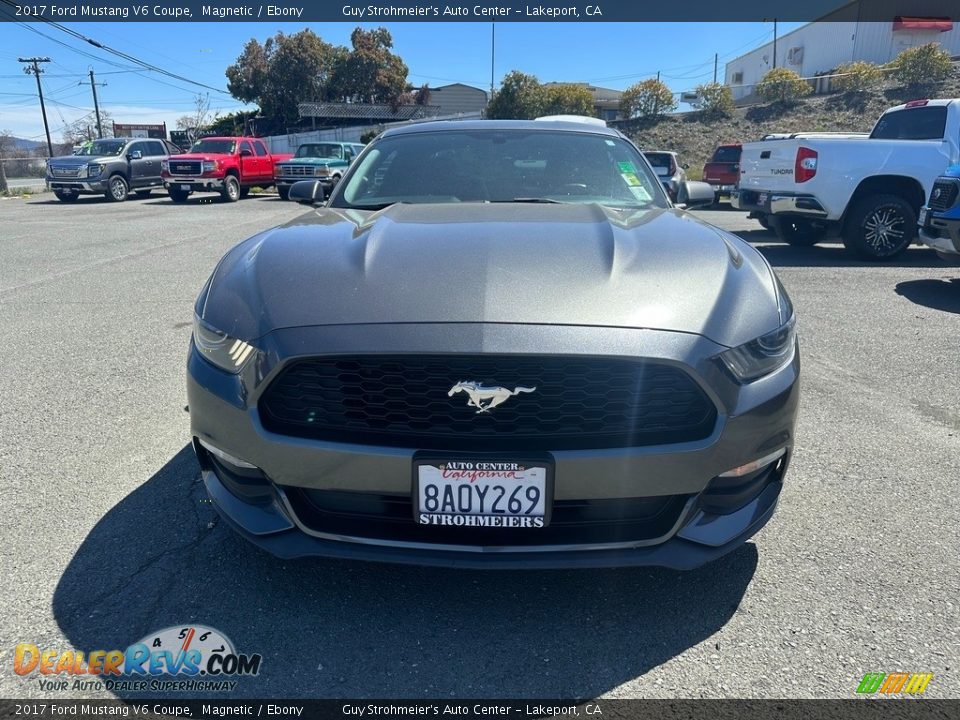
227, 165
723, 169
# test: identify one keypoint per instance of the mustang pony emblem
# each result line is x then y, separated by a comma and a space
478, 393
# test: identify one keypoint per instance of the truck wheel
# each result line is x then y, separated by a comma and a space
231, 189
880, 227
117, 189
799, 232
283, 192
177, 195
66, 195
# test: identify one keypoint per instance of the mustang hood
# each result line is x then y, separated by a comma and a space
570, 264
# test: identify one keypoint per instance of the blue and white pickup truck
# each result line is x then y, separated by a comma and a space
940, 218
323, 161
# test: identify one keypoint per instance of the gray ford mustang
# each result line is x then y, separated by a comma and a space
497, 344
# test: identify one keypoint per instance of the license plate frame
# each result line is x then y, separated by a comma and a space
545, 462
186, 187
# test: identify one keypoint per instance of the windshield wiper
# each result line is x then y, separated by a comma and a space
550, 201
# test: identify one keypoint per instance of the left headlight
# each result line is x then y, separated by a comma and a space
225, 352
94, 169
763, 355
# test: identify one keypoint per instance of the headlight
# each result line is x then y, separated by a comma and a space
209, 165
94, 169
225, 352
165, 165
764, 355
321, 171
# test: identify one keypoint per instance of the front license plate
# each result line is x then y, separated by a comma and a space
922, 220
185, 187
471, 492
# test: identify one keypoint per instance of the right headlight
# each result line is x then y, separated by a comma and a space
226, 352
763, 355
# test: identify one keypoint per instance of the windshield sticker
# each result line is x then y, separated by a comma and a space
626, 167
640, 193
631, 179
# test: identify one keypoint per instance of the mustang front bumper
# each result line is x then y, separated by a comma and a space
710, 515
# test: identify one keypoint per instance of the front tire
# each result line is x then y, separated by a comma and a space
66, 195
231, 189
117, 189
799, 232
178, 196
880, 227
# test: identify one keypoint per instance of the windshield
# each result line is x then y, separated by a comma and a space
223, 147
99, 148
726, 154
500, 166
325, 150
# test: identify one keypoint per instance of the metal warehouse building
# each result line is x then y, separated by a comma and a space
819, 47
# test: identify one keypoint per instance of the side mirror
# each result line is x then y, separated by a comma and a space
686, 166
246, 153
308, 192
695, 194
136, 155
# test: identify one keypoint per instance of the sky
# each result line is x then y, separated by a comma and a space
613, 55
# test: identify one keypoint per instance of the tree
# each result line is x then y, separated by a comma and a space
649, 98
201, 116
283, 72
370, 73
782, 85
858, 76
85, 128
715, 100
921, 66
567, 99
422, 95
520, 97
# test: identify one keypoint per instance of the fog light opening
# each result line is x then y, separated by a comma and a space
754, 465
227, 457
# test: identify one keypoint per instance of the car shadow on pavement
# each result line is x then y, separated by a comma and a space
936, 294
333, 629
831, 253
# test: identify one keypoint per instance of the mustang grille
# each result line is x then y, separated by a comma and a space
403, 401
947, 195
186, 167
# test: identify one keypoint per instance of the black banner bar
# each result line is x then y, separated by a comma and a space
448, 709
71, 11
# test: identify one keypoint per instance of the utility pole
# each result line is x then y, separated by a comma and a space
35, 70
96, 105
774, 43
493, 53
715, 58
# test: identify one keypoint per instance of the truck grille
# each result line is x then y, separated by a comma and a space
61, 171
296, 171
944, 194
403, 401
186, 167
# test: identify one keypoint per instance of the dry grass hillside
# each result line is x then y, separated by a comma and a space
695, 137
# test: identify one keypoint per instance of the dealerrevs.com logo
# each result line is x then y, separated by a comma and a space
191, 658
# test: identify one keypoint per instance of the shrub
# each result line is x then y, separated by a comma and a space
647, 99
715, 100
782, 85
859, 76
925, 65
368, 136
565, 99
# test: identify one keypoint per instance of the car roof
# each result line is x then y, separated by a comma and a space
473, 125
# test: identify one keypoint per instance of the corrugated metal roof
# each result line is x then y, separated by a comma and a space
365, 111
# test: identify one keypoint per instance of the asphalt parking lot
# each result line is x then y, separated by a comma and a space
107, 535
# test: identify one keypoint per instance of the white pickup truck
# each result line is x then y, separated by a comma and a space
867, 188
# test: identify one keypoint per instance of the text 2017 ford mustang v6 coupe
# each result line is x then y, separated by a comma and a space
498, 344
